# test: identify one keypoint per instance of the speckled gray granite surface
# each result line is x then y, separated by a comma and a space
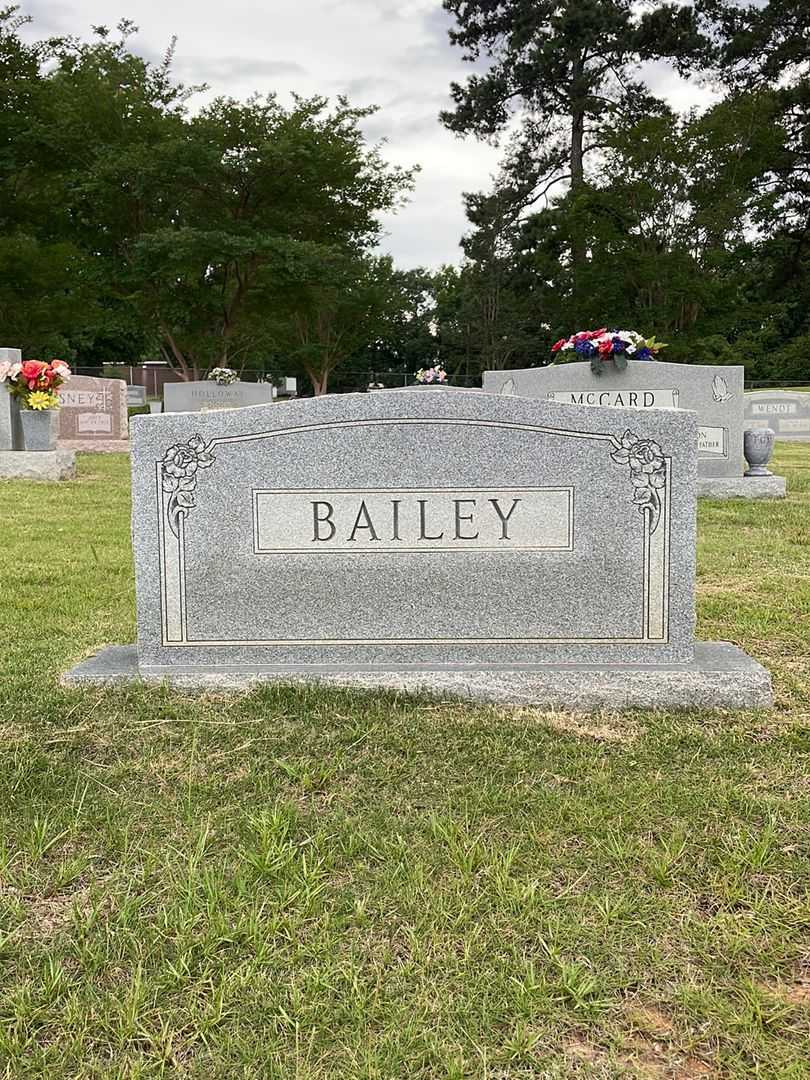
37, 464
787, 412
715, 393
720, 676
10, 429
206, 394
419, 529
741, 487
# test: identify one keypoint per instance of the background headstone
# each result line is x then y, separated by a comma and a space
206, 395
786, 411
10, 430
92, 411
287, 386
136, 396
714, 393
416, 529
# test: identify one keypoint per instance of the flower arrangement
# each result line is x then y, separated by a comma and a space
435, 374
223, 376
602, 345
34, 383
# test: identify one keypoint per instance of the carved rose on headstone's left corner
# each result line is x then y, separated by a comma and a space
179, 476
647, 472
182, 460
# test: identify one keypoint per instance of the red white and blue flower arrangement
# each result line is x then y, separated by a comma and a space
601, 346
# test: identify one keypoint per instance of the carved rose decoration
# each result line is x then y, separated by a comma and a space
647, 472
179, 468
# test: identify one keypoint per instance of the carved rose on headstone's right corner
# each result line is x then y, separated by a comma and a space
648, 473
179, 476
645, 457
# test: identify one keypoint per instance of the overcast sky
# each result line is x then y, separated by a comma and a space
390, 53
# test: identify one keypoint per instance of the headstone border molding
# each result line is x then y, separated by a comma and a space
176, 482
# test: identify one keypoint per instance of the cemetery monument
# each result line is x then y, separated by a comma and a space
714, 393
786, 412
29, 408
136, 396
206, 395
93, 415
495, 547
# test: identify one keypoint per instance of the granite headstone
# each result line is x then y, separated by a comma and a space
714, 393
317, 534
496, 547
136, 396
92, 411
286, 386
787, 412
207, 395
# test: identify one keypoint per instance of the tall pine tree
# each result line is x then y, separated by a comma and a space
560, 72
765, 59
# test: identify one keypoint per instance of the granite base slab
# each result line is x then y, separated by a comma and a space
741, 487
37, 465
721, 676
96, 446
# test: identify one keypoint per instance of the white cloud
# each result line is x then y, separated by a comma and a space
391, 53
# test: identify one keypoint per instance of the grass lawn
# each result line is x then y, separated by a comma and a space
307, 884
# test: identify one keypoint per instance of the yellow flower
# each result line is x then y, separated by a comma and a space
42, 399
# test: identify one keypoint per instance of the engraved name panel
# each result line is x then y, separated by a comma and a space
623, 399
412, 519
713, 441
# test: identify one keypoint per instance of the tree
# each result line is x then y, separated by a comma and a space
334, 305
51, 136
562, 71
406, 338
192, 224
765, 53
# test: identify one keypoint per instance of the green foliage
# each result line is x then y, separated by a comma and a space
330, 307
187, 229
693, 227
405, 331
562, 75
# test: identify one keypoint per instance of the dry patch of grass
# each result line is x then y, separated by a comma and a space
650, 1059
602, 727
47, 916
649, 1051
795, 993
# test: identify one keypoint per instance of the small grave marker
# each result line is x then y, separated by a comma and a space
93, 411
